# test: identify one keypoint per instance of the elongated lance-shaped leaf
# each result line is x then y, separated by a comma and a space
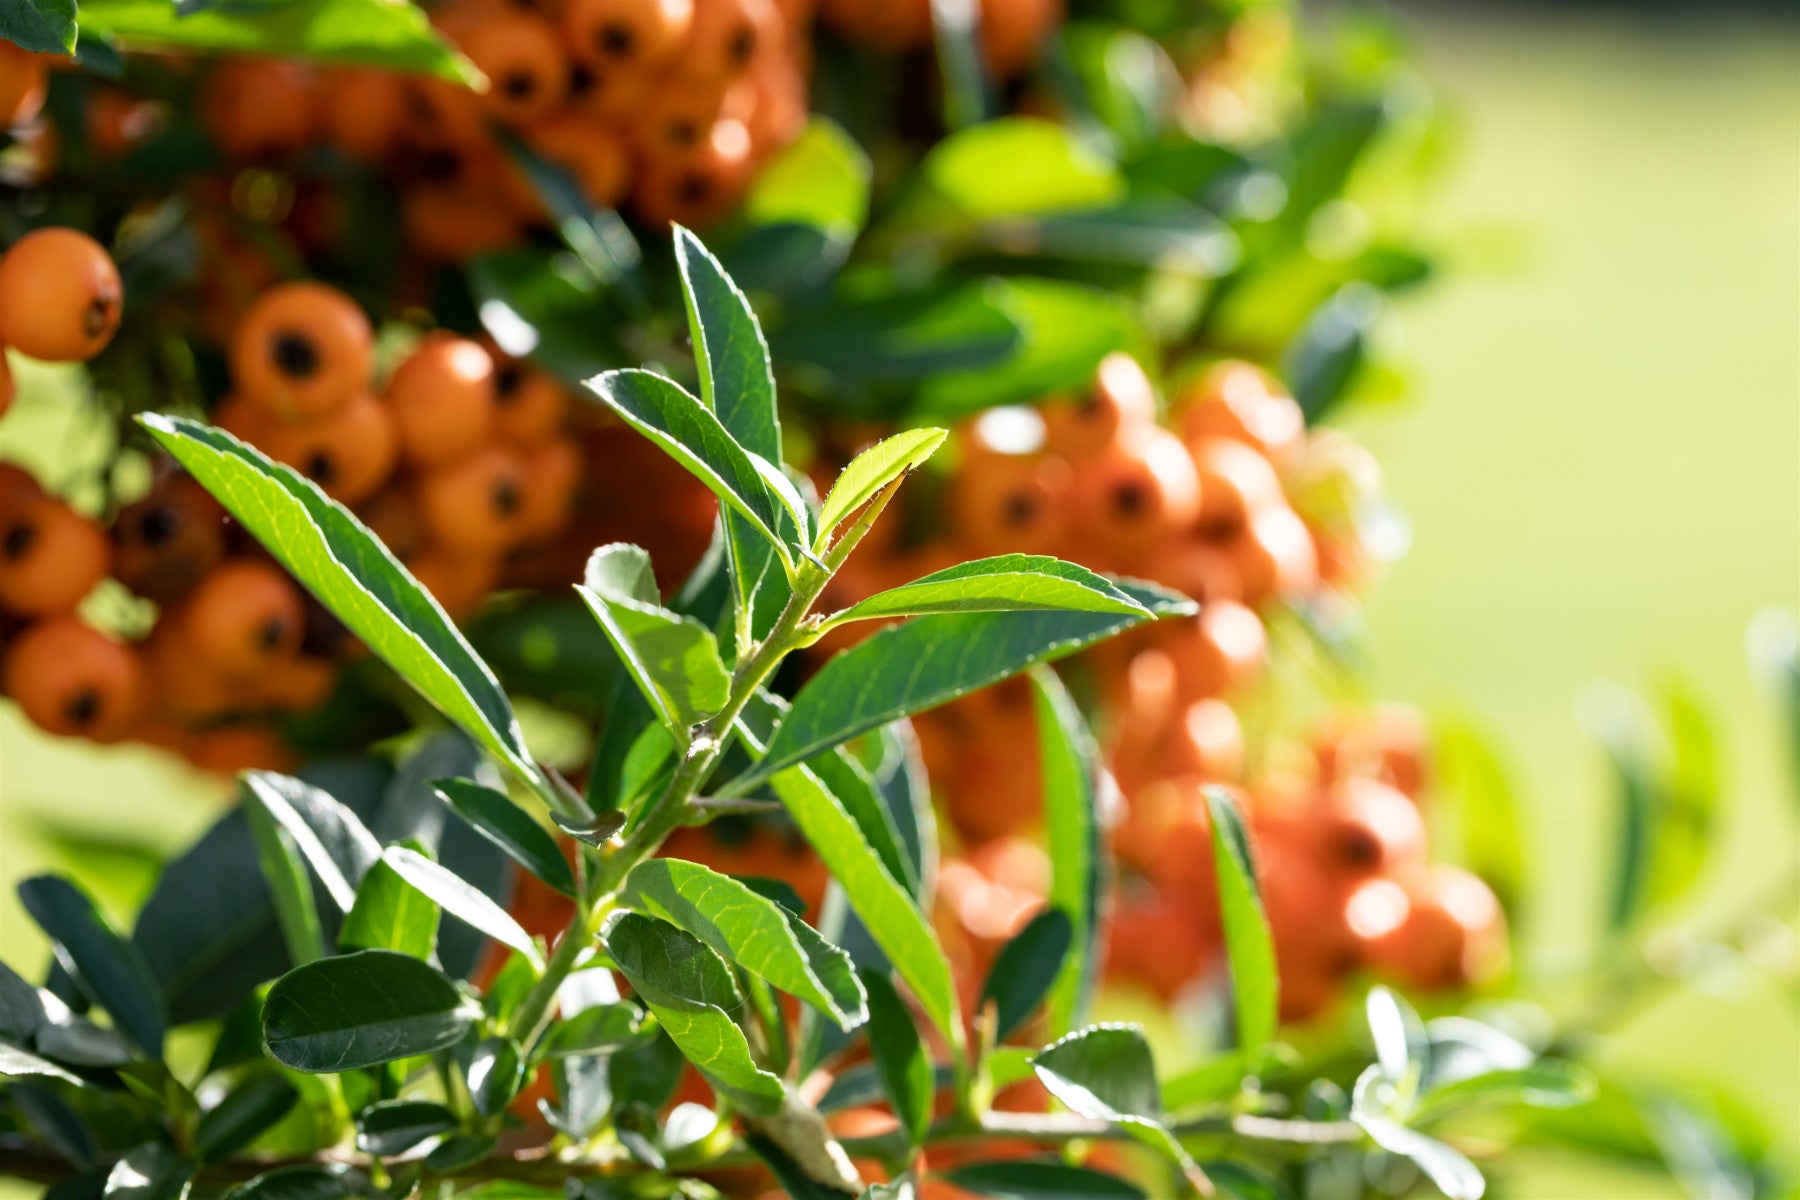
337, 559
331, 838
900, 1059
391, 914
691, 434
19, 1064
284, 869
750, 930
692, 992
1071, 774
873, 470
1006, 583
462, 900
1106, 1072
673, 659
495, 817
736, 380
1249, 947
931, 660
890, 913
151, 1171
358, 1010
110, 970
1025, 969
246, 1111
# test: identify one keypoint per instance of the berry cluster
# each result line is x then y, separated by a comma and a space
1010, 32
667, 107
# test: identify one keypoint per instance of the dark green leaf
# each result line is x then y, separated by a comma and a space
751, 931
289, 887
41, 26
900, 1059
795, 1183
393, 1127
1006, 583
362, 1009
1238, 1181
365, 32
597, 1030
691, 991
245, 1112
1106, 1072
21, 1011
390, 914
1039, 1179
1026, 968
1249, 946
1070, 762
495, 817
496, 1072
460, 1152
56, 1124
110, 970
693, 435
736, 381
548, 309
152, 1171
595, 832
298, 1183
328, 835
461, 900
337, 559
18, 1064
901, 339
1321, 362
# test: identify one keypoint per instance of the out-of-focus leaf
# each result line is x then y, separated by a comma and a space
56, 1124
393, 1127
151, 1171
1689, 795
1477, 796
1039, 1179
110, 970
18, 1064
822, 179
284, 868
900, 1059
303, 1182
1373, 1108
551, 311
1046, 170
496, 1071
1323, 358
860, 342
245, 1112
1106, 1072
1071, 775
1249, 946
1540, 1085
40, 26
1026, 967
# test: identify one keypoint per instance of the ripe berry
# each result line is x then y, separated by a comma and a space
459, 582
454, 223
697, 187
1220, 649
1449, 932
591, 151
73, 681
244, 616
166, 542
552, 473
60, 296
475, 506
1121, 401
1235, 483
531, 404
1013, 32
260, 108
349, 453
50, 555
232, 749
728, 38
523, 60
363, 111
616, 34
442, 398
1242, 401
302, 350
1137, 495
1275, 556
1369, 828
22, 85
1005, 503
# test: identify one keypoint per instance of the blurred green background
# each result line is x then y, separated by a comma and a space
1601, 464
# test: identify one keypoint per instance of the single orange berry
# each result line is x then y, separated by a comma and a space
166, 542
442, 398
74, 681
22, 85
51, 556
615, 34
531, 404
60, 296
475, 506
243, 617
349, 453
1120, 401
302, 350
523, 60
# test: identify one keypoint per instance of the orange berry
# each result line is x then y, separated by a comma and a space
50, 556
232, 749
302, 350
1138, 494
296, 684
1236, 482
475, 506
456, 223
74, 681
1013, 32
1275, 556
1448, 931
728, 38
259, 108
531, 404
22, 85
363, 111
1222, 648
631, 34
442, 397
167, 541
60, 296
1120, 401
700, 186
349, 453
523, 60
394, 519
1242, 401
1196, 569
1368, 828
1003, 503
184, 688
552, 474
589, 150
676, 121
778, 112
892, 26
244, 616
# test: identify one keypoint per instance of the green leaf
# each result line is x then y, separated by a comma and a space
1249, 946
462, 900
900, 1059
736, 381
901, 340
597, 1030
1540, 1085
750, 930
890, 913
337, 559
1026, 968
1476, 797
924, 663
245, 1112
41, 26
362, 1009
691, 991
391, 914
152, 1171
329, 836
1047, 169
17, 1064
374, 33
1690, 794
393, 1127
1106, 1072
290, 889
302, 1182
822, 179
21, 1009
1373, 1108
693, 436
495, 817
1322, 361
875, 468
56, 1124
1004, 583
496, 1071
674, 660
110, 970
1071, 774
1039, 1179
